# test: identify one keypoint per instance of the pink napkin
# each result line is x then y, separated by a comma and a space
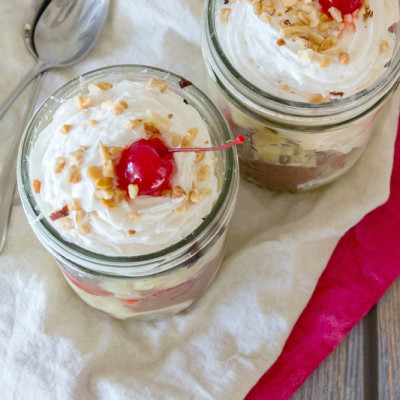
363, 265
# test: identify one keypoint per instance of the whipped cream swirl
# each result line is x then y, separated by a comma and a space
251, 44
159, 224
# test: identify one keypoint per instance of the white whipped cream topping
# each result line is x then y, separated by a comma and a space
160, 225
251, 46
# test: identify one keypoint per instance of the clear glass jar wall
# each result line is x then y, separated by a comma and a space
150, 285
291, 145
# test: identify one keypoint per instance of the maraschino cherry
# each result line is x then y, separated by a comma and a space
150, 164
344, 6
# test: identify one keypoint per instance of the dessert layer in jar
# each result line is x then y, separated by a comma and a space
104, 176
306, 52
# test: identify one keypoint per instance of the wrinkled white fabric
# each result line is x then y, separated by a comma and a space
54, 346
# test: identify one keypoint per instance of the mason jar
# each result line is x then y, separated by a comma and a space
292, 145
148, 285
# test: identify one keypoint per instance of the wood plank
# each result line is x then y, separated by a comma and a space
341, 375
388, 310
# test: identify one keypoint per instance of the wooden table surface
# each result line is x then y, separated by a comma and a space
366, 364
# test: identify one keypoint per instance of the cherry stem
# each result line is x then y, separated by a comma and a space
238, 140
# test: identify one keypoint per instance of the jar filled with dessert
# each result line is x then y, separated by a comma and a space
302, 80
127, 176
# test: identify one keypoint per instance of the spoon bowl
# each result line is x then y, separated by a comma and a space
64, 33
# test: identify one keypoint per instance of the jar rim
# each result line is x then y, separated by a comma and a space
379, 88
157, 261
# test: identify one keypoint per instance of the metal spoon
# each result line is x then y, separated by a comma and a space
7, 176
64, 33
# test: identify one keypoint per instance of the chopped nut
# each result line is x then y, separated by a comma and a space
205, 192
76, 156
224, 15
187, 141
104, 183
305, 56
83, 229
157, 120
133, 191
65, 223
74, 205
133, 216
280, 42
36, 184
93, 122
323, 27
289, 31
175, 139
316, 37
157, 83
200, 155
204, 172
317, 98
63, 212
289, 3
182, 208
214, 160
133, 123
115, 151
106, 194
151, 131
83, 101
118, 109
335, 14
74, 174
193, 132
170, 116
108, 169
384, 46
344, 58
105, 155
178, 191
324, 62
119, 195
94, 172
80, 215
166, 192
110, 204
59, 165
131, 232
194, 196
65, 129
104, 85
257, 4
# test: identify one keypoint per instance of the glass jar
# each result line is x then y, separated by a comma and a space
292, 145
150, 285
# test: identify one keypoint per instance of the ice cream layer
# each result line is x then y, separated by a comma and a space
303, 54
70, 151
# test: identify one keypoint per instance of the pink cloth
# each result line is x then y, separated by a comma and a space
363, 265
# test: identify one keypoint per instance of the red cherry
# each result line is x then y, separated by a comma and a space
148, 164
345, 6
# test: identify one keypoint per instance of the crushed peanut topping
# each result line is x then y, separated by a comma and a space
95, 173
104, 85
317, 98
74, 174
36, 184
280, 42
151, 131
93, 122
133, 191
177, 192
74, 205
344, 58
175, 139
80, 216
384, 46
83, 229
205, 192
133, 123
105, 155
65, 129
108, 169
118, 109
194, 196
182, 208
76, 156
133, 216
83, 102
224, 15
200, 155
157, 83
204, 172
59, 165
158, 121
65, 223
63, 212
104, 183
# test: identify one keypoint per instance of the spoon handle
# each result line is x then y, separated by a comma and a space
30, 75
8, 172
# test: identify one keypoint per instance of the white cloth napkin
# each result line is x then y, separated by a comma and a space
54, 346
